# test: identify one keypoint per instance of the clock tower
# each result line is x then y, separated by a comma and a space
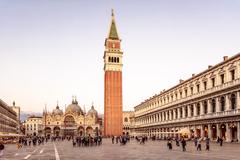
113, 82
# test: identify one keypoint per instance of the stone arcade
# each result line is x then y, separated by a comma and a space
207, 104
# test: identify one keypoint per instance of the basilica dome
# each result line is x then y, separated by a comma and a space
57, 111
92, 112
74, 107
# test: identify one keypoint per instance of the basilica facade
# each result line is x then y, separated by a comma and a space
205, 105
74, 122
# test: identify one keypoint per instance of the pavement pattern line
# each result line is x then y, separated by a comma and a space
56, 152
29, 155
41, 151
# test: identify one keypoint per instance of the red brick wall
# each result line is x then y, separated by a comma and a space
113, 103
110, 44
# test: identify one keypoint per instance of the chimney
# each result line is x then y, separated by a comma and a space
225, 58
209, 66
193, 75
180, 80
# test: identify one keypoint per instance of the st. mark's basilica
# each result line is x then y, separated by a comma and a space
73, 122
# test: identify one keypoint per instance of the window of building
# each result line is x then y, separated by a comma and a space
213, 82
222, 78
186, 92
213, 105
232, 74
198, 87
186, 111
205, 106
205, 85
198, 109
233, 101
180, 94
181, 112
222, 101
191, 90
192, 111
176, 114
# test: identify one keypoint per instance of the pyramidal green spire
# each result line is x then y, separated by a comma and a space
113, 29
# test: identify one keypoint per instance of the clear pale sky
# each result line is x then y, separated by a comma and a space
51, 50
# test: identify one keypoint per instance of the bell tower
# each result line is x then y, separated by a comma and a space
113, 82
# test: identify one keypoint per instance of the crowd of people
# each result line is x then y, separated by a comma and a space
141, 139
89, 140
197, 143
178, 141
31, 141
122, 140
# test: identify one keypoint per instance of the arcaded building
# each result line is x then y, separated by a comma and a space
8, 119
207, 104
74, 122
113, 82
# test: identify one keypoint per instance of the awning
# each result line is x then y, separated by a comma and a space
10, 135
184, 131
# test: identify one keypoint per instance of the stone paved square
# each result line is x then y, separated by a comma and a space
151, 150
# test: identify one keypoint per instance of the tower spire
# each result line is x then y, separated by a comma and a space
112, 12
113, 34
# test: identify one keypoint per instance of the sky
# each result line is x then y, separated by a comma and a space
51, 50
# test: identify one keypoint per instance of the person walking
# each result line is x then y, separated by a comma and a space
1, 149
177, 142
221, 141
195, 141
142, 141
199, 146
169, 144
207, 144
183, 145
112, 139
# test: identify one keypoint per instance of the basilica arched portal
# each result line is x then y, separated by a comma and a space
69, 126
